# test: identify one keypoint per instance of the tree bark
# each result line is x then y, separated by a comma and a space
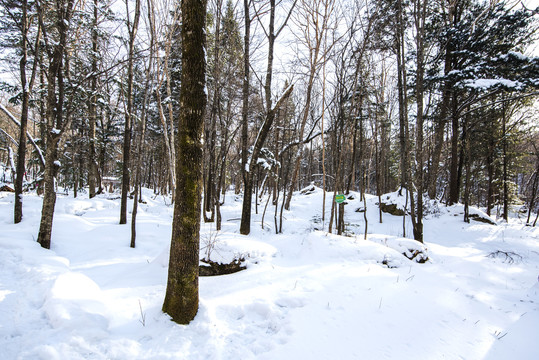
245, 92
444, 106
181, 299
504, 155
454, 166
92, 111
141, 131
468, 166
128, 115
54, 116
420, 15
26, 89
401, 89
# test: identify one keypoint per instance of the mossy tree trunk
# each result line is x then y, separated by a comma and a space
181, 299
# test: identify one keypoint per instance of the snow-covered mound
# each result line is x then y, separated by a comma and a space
306, 293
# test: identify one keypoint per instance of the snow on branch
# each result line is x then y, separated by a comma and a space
295, 143
30, 138
262, 132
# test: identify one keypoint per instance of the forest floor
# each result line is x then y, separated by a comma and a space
306, 294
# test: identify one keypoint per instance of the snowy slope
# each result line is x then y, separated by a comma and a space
306, 294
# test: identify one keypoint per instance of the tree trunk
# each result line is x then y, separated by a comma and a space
249, 165
245, 93
454, 166
26, 88
321, 11
92, 111
444, 107
141, 131
401, 89
54, 117
468, 167
128, 115
181, 299
533, 195
504, 155
490, 174
49, 194
211, 132
420, 15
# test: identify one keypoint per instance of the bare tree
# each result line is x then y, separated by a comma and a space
251, 162
141, 131
24, 24
315, 19
132, 29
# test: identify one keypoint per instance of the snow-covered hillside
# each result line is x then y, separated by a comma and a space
305, 294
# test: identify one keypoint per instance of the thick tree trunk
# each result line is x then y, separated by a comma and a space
245, 224
181, 299
54, 116
49, 195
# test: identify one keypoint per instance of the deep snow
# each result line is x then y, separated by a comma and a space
306, 294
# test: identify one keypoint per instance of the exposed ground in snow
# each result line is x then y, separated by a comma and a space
306, 294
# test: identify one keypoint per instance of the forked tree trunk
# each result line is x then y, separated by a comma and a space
56, 124
181, 299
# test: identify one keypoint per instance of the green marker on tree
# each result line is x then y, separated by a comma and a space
340, 198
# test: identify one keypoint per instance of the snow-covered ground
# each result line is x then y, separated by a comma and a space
306, 294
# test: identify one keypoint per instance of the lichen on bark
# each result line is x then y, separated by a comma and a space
181, 299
